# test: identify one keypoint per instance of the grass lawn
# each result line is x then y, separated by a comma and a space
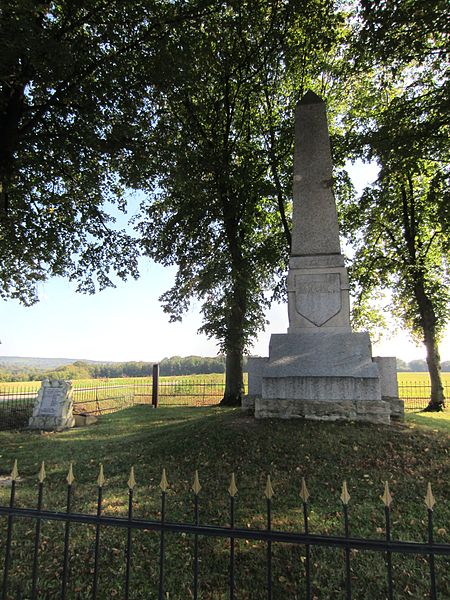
218, 442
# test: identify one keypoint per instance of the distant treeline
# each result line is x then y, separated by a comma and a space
79, 369
176, 365
419, 366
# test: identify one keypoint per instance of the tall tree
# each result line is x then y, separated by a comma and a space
71, 92
223, 129
400, 226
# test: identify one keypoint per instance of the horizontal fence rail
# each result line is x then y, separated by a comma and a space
227, 534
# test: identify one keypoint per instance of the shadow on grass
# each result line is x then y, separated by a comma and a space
121, 436
439, 421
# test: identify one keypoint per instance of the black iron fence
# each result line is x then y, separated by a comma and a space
194, 534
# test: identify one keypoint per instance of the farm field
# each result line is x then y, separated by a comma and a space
78, 383
404, 378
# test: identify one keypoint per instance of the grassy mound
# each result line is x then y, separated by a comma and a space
218, 442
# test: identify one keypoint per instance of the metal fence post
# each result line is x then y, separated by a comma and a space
155, 385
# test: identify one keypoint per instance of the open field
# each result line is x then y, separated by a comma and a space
404, 379
79, 383
217, 442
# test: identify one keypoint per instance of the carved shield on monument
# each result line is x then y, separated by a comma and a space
318, 296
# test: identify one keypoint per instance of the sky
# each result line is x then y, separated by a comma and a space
128, 324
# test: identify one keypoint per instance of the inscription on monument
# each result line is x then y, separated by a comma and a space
51, 399
318, 296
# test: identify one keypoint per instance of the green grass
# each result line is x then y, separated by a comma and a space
218, 442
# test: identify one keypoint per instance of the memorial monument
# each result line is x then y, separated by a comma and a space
53, 410
319, 369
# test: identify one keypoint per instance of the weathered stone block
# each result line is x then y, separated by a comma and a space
248, 402
255, 369
53, 410
323, 410
85, 420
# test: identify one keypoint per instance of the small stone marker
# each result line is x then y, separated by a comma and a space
53, 410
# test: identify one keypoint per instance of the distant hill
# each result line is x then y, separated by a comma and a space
20, 368
17, 368
21, 362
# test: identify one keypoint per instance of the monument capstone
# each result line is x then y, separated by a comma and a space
53, 410
319, 369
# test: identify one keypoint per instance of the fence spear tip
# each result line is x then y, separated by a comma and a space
164, 485
70, 478
429, 498
345, 496
269, 489
196, 487
42, 473
232, 490
131, 480
386, 497
15, 471
101, 477
304, 494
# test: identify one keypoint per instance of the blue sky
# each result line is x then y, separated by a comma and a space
127, 323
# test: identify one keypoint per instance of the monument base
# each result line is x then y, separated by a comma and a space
323, 376
366, 411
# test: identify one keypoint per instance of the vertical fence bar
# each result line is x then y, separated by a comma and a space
196, 487
269, 495
155, 385
430, 502
304, 495
65, 574
131, 483
345, 498
232, 491
387, 500
100, 483
14, 476
37, 536
387, 514
164, 486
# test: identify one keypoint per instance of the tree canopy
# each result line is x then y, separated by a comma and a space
400, 226
223, 161
72, 90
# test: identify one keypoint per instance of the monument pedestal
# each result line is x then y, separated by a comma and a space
321, 375
325, 376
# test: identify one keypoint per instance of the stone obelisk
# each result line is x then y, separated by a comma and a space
319, 369
317, 282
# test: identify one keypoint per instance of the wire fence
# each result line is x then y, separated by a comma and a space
416, 395
189, 393
110, 395
16, 405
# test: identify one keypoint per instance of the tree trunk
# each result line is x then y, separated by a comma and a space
428, 320
234, 379
424, 302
